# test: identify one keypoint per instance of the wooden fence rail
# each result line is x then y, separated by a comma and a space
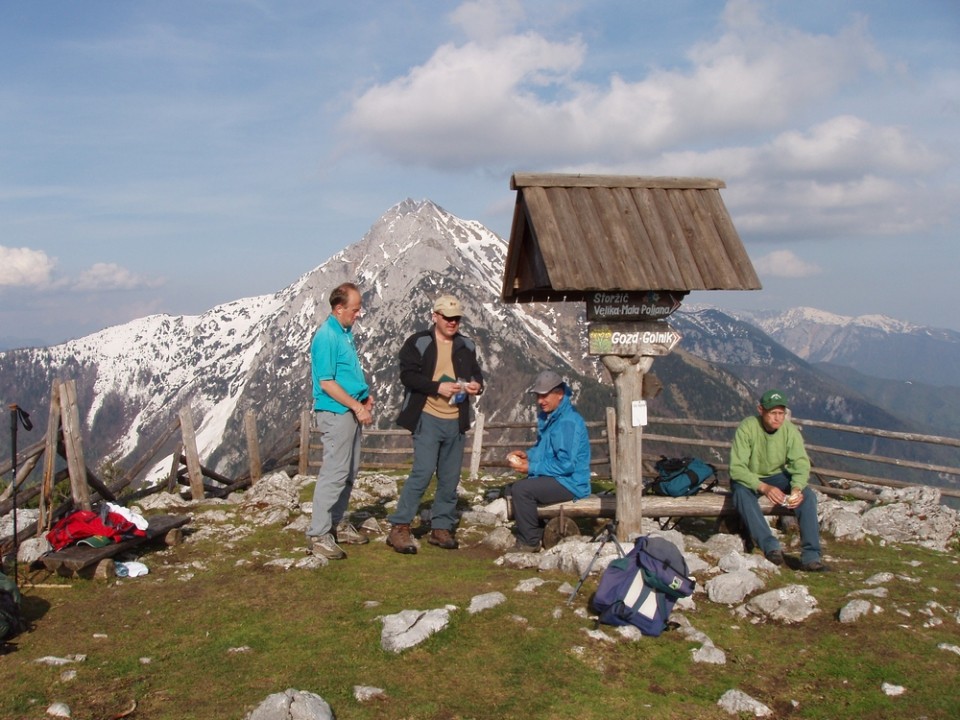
487, 444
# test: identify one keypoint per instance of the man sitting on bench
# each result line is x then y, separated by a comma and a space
768, 458
557, 468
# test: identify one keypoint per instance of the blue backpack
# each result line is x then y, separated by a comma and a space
642, 587
679, 477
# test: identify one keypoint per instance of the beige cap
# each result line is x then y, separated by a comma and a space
449, 306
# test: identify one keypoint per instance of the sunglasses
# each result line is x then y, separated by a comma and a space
449, 319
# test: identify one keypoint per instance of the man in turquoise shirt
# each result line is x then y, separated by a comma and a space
342, 406
768, 458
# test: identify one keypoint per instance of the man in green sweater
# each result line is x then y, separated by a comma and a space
768, 458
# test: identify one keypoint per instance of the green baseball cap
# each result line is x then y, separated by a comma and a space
772, 399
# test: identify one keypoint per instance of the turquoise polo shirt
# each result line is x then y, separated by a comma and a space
334, 357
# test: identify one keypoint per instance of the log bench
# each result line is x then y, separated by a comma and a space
708, 504
86, 561
714, 504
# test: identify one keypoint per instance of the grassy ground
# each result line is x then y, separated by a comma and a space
169, 643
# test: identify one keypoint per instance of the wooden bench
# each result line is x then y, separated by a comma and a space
86, 561
708, 504
715, 504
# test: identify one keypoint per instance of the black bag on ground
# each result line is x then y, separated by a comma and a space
12, 621
679, 477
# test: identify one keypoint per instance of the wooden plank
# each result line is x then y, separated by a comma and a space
70, 416
189, 435
253, 445
76, 558
525, 180
138, 467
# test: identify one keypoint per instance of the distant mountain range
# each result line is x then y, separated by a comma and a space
253, 353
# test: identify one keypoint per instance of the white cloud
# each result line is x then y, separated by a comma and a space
110, 276
23, 267
785, 264
484, 20
518, 99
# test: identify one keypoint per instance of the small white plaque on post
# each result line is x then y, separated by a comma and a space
639, 413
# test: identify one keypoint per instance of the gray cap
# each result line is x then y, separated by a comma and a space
545, 382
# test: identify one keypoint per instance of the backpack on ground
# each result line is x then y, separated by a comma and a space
12, 621
680, 477
642, 587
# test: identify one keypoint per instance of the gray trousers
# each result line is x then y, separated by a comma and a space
341, 459
528, 494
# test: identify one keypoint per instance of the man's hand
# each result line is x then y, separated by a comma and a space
364, 412
518, 461
448, 389
773, 493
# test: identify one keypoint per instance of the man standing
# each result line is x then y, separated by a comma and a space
342, 406
439, 372
768, 458
557, 467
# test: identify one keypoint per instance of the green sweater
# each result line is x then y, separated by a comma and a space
757, 454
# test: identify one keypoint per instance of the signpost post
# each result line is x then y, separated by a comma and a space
630, 334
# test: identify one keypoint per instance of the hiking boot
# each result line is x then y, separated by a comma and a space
519, 547
347, 534
814, 566
774, 556
400, 540
326, 546
443, 539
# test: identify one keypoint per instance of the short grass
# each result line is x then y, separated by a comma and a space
171, 643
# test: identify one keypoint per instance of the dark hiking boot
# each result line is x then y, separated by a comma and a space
775, 556
400, 540
815, 566
443, 539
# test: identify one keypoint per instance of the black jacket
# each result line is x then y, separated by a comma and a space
418, 361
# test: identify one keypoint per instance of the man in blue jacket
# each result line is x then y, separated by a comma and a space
557, 468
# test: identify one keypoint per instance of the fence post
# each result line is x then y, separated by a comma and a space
306, 418
190, 450
477, 447
50, 459
253, 445
73, 444
174, 467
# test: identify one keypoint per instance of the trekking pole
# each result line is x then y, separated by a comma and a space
609, 532
17, 416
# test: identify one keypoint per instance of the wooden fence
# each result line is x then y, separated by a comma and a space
488, 443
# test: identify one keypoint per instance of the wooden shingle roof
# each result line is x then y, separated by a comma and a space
573, 234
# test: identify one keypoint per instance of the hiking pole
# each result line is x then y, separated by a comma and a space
609, 532
16, 414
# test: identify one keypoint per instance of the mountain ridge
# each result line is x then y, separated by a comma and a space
253, 352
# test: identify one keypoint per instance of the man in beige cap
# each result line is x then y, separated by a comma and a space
440, 373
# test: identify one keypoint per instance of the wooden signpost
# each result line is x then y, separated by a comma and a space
631, 332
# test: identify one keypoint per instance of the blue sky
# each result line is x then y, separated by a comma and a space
168, 157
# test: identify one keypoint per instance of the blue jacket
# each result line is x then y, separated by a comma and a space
563, 448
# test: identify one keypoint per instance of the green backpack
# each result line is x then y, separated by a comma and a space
11, 618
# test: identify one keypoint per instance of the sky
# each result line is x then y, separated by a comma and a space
169, 157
